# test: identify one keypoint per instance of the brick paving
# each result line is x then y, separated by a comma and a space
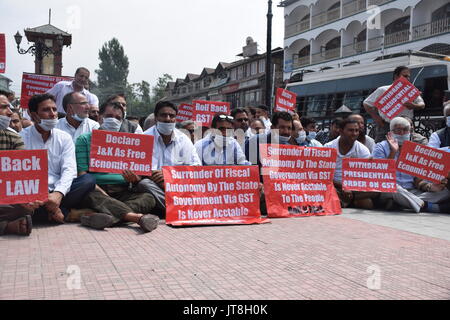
302, 258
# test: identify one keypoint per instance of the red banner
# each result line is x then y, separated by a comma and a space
212, 195
391, 103
424, 162
2, 53
204, 111
113, 152
23, 176
374, 175
298, 181
184, 112
285, 101
37, 84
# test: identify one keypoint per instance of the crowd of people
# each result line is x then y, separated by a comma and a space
62, 120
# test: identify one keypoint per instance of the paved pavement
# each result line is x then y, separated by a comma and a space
358, 255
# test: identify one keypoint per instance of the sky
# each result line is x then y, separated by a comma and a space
167, 36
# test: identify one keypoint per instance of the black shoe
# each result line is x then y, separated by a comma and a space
98, 221
148, 222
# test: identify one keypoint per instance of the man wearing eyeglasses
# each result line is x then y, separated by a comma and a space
220, 147
76, 122
241, 125
127, 126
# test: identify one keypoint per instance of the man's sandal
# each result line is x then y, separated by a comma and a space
15, 226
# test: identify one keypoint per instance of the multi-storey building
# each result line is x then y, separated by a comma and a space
336, 52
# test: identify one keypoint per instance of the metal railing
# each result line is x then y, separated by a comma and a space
355, 48
326, 16
353, 7
378, 2
296, 28
431, 28
300, 61
326, 55
394, 38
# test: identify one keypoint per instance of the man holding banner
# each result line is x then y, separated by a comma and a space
114, 200
348, 146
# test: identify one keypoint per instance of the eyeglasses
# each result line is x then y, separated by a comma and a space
225, 117
242, 120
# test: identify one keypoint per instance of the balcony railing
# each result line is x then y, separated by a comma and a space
378, 2
325, 17
353, 7
326, 55
296, 28
354, 48
431, 29
394, 38
301, 61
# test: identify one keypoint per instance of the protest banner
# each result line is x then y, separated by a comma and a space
184, 112
424, 162
285, 101
204, 111
212, 195
391, 103
2, 53
298, 181
23, 176
113, 152
37, 84
369, 175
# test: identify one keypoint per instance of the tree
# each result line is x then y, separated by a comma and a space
159, 89
113, 70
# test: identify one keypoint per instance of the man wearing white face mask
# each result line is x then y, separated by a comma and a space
441, 138
310, 127
219, 147
65, 189
171, 148
299, 136
77, 120
407, 196
262, 112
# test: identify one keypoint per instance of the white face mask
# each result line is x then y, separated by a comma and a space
165, 128
402, 138
4, 122
221, 141
301, 137
78, 118
448, 121
48, 124
311, 135
111, 124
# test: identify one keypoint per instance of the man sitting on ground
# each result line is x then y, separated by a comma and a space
299, 136
334, 132
441, 138
310, 128
363, 137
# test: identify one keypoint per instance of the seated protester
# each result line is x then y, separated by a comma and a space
363, 138
14, 219
94, 112
189, 128
334, 132
441, 138
219, 147
348, 146
280, 133
416, 137
299, 137
16, 121
242, 131
149, 121
257, 127
76, 122
65, 190
113, 200
262, 113
171, 148
309, 125
127, 126
407, 196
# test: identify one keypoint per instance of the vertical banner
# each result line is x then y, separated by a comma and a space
113, 152
23, 176
298, 181
285, 101
212, 195
37, 84
369, 175
184, 112
424, 162
391, 103
2, 53
204, 111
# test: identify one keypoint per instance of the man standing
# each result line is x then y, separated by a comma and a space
241, 126
76, 121
381, 120
348, 146
363, 138
64, 192
62, 88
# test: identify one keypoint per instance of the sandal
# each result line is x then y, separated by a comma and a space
18, 230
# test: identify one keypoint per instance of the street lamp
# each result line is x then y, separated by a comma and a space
269, 57
39, 49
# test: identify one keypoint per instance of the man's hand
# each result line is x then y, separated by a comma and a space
158, 178
54, 201
31, 206
131, 177
393, 144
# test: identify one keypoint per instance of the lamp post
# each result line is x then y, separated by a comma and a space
40, 49
269, 57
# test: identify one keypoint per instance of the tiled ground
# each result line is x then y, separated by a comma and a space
303, 258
